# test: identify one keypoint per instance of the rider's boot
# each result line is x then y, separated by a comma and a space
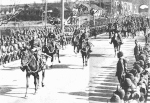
22, 68
90, 50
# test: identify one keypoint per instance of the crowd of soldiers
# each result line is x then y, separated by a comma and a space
128, 25
134, 81
10, 45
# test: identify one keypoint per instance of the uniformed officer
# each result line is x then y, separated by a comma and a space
87, 43
36, 46
51, 38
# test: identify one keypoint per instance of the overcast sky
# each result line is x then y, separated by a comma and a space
10, 2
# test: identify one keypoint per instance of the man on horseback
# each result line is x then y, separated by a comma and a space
36, 46
117, 42
52, 38
87, 43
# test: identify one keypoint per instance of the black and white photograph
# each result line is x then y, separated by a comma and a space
74, 51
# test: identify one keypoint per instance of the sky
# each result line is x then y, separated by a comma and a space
11, 2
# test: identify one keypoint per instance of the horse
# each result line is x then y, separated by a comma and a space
33, 67
76, 43
51, 49
63, 42
85, 54
117, 43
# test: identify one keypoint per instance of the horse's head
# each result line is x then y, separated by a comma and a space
25, 55
85, 48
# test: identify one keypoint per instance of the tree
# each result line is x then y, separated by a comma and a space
56, 12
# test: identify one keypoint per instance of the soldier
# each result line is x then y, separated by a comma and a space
3, 49
121, 68
11, 47
137, 50
9, 53
1, 54
52, 38
36, 46
87, 43
16, 49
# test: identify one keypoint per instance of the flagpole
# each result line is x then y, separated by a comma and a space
45, 13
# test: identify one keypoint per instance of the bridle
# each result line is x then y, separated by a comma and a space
48, 48
27, 64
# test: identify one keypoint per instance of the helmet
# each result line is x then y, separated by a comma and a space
130, 75
136, 41
120, 54
141, 62
120, 92
134, 72
138, 68
128, 82
115, 98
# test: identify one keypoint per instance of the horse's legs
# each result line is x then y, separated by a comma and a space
83, 59
119, 47
58, 56
27, 83
86, 58
74, 48
52, 59
65, 43
43, 76
78, 49
62, 44
115, 51
35, 82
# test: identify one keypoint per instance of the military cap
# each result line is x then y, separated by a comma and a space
130, 75
138, 68
141, 62
120, 54
128, 82
134, 72
120, 92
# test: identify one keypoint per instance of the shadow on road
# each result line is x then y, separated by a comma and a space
98, 55
5, 90
100, 87
10, 68
67, 66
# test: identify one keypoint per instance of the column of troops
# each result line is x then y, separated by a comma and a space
128, 25
10, 45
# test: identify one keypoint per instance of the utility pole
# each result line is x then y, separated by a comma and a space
45, 13
62, 16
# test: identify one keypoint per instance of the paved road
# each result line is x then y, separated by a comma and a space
69, 82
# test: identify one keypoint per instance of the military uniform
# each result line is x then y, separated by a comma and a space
87, 43
137, 50
121, 68
3, 49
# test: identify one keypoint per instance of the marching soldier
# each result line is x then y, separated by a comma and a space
3, 49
